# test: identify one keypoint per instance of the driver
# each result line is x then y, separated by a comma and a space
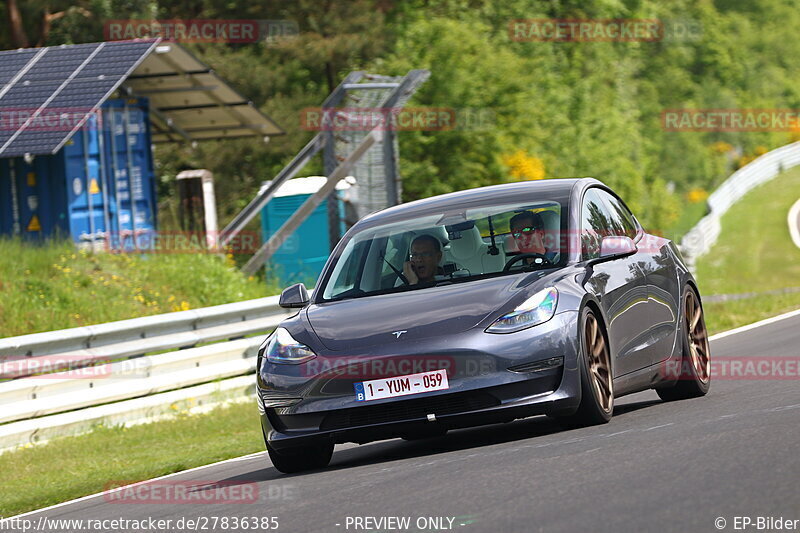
527, 229
426, 252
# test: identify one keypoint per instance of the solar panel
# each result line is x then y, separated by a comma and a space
77, 78
188, 100
12, 62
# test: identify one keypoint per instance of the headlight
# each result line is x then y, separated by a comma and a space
537, 309
281, 348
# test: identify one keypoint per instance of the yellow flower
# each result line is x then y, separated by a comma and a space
522, 166
721, 147
697, 195
185, 306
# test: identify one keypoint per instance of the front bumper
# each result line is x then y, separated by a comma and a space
482, 388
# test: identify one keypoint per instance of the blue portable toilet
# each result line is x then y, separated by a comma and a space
98, 187
301, 257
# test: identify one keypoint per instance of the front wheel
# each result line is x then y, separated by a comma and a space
694, 378
299, 458
597, 378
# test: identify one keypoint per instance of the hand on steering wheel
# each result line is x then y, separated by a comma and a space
544, 260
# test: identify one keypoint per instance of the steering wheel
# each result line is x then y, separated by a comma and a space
520, 257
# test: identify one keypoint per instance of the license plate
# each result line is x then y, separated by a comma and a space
401, 385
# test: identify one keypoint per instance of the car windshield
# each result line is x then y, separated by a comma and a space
448, 247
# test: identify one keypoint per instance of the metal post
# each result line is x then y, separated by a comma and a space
329, 155
89, 208
103, 173
129, 172
12, 173
115, 171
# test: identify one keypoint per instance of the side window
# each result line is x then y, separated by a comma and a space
594, 224
349, 272
620, 218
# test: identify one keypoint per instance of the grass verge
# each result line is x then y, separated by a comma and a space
53, 286
754, 253
71, 467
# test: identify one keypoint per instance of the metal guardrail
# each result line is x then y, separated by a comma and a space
76, 347
704, 234
64, 382
49, 394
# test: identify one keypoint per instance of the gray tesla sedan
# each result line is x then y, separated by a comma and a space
479, 307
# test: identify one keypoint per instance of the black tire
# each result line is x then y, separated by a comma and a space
300, 458
597, 399
694, 378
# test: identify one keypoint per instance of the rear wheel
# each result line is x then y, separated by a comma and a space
597, 379
299, 458
694, 378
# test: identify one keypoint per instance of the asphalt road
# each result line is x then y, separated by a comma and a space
655, 467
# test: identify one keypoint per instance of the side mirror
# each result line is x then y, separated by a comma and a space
615, 246
294, 297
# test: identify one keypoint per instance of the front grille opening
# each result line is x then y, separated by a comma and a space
408, 410
538, 366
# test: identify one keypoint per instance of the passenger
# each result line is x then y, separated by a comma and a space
527, 229
426, 252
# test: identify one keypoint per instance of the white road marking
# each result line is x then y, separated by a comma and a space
794, 221
754, 325
657, 427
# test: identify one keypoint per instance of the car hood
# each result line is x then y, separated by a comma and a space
360, 323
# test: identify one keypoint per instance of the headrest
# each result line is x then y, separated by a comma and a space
438, 231
550, 219
468, 245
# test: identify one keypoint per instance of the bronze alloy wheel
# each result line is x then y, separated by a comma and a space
599, 362
697, 337
695, 371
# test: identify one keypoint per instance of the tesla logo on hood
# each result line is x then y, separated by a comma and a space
398, 333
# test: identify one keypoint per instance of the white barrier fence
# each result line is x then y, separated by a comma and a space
704, 234
64, 382
87, 345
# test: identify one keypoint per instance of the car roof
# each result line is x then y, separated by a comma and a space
556, 189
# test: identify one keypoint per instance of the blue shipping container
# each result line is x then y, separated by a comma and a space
84, 190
